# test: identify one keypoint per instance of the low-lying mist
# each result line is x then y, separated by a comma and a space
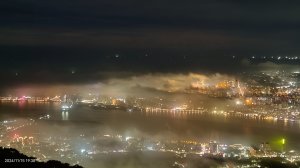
143, 85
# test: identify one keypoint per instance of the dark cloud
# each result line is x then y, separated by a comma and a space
229, 26
60, 41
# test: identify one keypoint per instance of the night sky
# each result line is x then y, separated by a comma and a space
80, 41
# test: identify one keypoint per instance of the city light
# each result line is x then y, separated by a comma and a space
149, 84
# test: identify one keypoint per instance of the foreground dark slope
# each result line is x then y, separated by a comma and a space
12, 158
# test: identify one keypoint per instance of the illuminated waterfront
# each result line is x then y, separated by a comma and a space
166, 127
225, 120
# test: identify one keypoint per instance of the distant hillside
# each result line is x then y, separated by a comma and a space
12, 158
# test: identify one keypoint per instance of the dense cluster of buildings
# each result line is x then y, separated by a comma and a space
261, 96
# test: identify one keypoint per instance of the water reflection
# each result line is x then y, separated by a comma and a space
199, 123
222, 116
65, 115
